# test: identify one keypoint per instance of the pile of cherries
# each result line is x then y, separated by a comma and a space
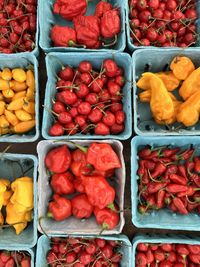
163, 23
15, 259
88, 101
17, 25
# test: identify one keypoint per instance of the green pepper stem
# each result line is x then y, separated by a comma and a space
82, 148
112, 43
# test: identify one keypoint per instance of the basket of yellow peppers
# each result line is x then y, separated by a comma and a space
17, 198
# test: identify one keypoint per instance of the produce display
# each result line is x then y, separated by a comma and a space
163, 23
169, 178
17, 25
15, 258
17, 101
182, 79
94, 31
80, 252
89, 101
167, 255
16, 201
80, 182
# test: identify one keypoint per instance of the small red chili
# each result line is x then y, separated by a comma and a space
197, 164
151, 201
160, 168
183, 156
160, 196
177, 179
171, 169
196, 179
169, 152
179, 205
182, 170
176, 188
155, 187
189, 192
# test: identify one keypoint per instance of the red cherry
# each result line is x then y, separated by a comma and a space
58, 107
117, 128
97, 85
107, 251
83, 91
158, 13
154, 4
74, 112
115, 107
95, 115
66, 74
144, 16
80, 120
113, 88
152, 34
92, 98
135, 23
56, 129
100, 242
110, 67
85, 258
141, 5
86, 78
71, 128
84, 108
134, 13
171, 5
191, 14
65, 117
120, 117
85, 66
70, 257
101, 129
109, 118
104, 95
68, 97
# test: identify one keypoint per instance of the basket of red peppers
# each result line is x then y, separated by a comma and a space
76, 25
166, 182
81, 187
166, 251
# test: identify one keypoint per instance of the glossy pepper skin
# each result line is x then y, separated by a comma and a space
70, 9
88, 31
101, 8
110, 23
102, 157
62, 184
107, 218
60, 208
58, 159
63, 36
99, 192
81, 207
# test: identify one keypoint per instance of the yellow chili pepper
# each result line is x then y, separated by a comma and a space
169, 79
4, 85
30, 93
18, 86
2, 107
16, 104
29, 107
3, 122
7, 195
182, 67
6, 74
23, 115
19, 75
190, 85
4, 131
22, 193
11, 117
30, 80
19, 95
23, 126
9, 93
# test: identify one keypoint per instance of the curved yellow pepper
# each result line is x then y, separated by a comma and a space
190, 85
182, 67
189, 111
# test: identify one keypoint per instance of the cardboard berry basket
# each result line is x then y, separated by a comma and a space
44, 246
73, 59
133, 47
13, 166
73, 225
163, 218
47, 20
154, 61
23, 61
161, 239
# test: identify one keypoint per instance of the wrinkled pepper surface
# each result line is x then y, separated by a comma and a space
110, 23
182, 67
5, 192
101, 8
66, 39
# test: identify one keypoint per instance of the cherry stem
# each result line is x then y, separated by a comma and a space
50, 111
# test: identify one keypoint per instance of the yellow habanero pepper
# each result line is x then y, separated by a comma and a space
161, 103
189, 111
23, 127
4, 85
19, 75
145, 96
190, 85
4, 186
30, 80
22, 197
6, 74
182, 67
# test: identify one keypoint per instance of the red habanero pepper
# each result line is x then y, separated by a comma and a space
59, 208
179, 205
87, 31
177, 179
107, 218
80, 168
61, 183
110, 23
58, 159
176, 188
108, 174
102, 157
169, 152
160, 168
70, 9
63, 36
81, 207
160, 199
78, 185
155, 187
78, 155
182, 170
99, 192
197, 164
101, 8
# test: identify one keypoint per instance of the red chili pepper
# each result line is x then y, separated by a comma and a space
145, 178
171, 169
162, 160
176, 188
155, 187
167, 200
179, 205
151, 201
149, 256
70, 9
149, 164
182, 171
160, 196
78, 185
196, 179
195, 258
147, 153
183, 156
107, 218
99, 192
88, 31
102, 157
80, 168
194, 249
189, 165
172, 207
177, 179
81, 207
101, 8
189, 192
169, 152
110, 23
59, 208
191, 207
197, 164
66, 39
58, 159
196, 196
141, 259
78, 155
160, 168
61, 183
